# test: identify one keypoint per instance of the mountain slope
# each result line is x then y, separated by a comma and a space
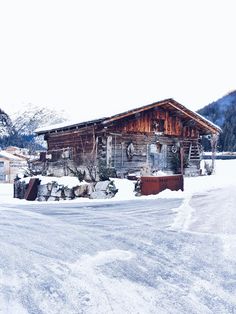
223, 113
216, 110
228, 137
32, 117
19, 131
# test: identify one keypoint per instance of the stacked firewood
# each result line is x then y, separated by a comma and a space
52, 191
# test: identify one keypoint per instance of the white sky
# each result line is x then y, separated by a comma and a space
101, 57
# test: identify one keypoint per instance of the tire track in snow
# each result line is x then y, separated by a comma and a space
184, 215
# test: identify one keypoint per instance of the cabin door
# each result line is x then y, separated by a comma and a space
109, 151
158, 157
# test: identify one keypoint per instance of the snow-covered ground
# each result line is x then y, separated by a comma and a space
170, 253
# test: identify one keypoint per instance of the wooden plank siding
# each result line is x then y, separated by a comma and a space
80, 144
151, 121
142, 152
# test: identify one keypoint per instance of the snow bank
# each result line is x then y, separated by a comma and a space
125, 189
224, 176
70, 182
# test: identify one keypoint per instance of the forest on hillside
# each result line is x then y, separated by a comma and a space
227, 140
223, 113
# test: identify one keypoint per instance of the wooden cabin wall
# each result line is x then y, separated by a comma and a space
146, 153
81, 145
111, 149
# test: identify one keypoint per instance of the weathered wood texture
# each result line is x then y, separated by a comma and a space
152, 133
79, 145
145, 153
156, 120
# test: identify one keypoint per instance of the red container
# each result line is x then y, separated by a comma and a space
154, 185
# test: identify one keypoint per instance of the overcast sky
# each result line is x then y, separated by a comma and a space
94, 58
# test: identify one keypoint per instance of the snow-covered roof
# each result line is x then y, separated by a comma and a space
66, 124
10, 156
208, 121
170, 103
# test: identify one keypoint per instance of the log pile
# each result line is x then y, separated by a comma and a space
19, 189
52, 191
103, 190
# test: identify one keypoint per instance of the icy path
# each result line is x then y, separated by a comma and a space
120, 257
218, 207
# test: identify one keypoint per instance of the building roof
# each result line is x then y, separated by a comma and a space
4, 154
169, 104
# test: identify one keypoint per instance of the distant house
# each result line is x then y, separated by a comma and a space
163, 136
10, 166
18, 151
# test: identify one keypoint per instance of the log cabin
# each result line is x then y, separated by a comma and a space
163, 136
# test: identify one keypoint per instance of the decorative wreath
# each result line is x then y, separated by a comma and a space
130, 151
174, 149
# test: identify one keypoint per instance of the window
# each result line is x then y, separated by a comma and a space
2, 174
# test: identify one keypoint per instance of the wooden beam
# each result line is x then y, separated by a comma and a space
134, 111
195, 117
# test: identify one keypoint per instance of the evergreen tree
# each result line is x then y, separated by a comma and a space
228, 136
223, 113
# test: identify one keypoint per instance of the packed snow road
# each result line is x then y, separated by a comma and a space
172, 255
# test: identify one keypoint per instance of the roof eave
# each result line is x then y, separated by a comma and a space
69, 126
135, 111
197, 117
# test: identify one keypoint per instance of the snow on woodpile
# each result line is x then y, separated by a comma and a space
65, 188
